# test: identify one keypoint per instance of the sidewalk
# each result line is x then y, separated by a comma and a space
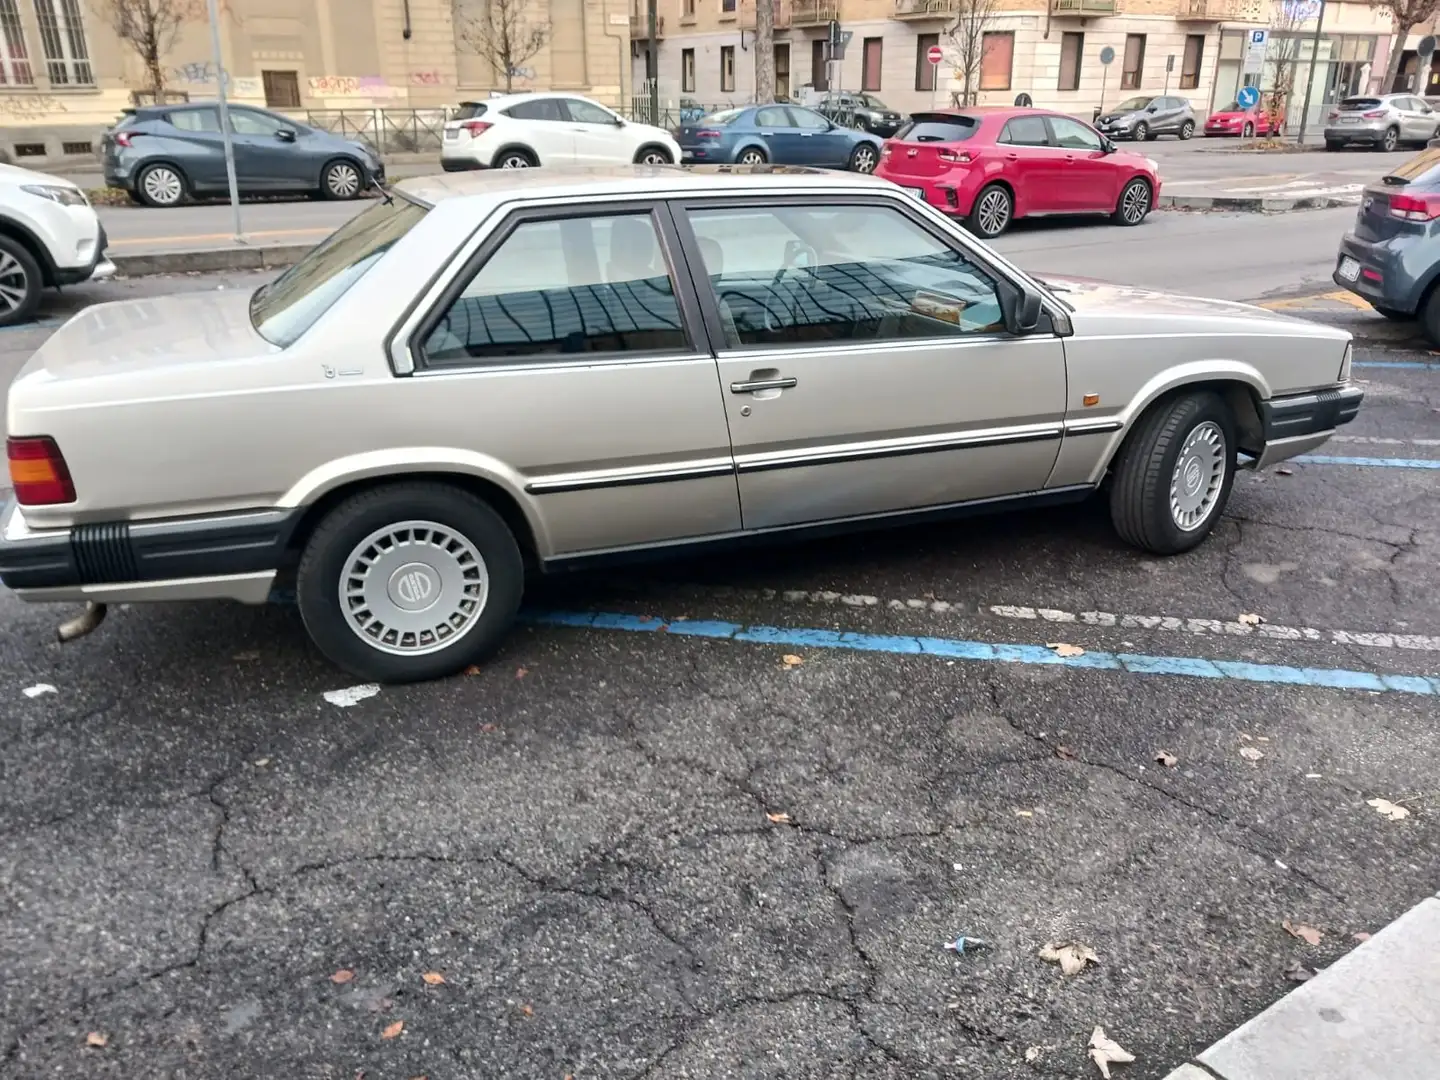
1372, 1015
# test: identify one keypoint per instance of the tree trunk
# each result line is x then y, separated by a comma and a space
156, 71
764, 51
1392, 68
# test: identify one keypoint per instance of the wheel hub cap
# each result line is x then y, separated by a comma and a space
13, 284
344, 181
413, 587
163, 186
1198, 476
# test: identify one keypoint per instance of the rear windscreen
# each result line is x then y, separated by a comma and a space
1353, 103
469, 110
1423, 168
938, 127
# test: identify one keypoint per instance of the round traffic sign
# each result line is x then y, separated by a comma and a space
1107, 55
935, 54
1426, 46
1248, 97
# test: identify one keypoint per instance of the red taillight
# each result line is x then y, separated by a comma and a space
475, 128
1373, 114
38, 472
122, 138
1415, 207
1371, 275
954, 157
1334, 116
707, 133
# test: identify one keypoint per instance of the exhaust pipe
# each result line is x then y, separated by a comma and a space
82, 624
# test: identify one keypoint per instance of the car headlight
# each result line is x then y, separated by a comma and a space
1345, 362
65, 196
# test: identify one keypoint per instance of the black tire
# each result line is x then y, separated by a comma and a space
343, 180
653, 155
1140, 489
1248, 131
324, 564
1334, 144
153, 186
863, 158
1393, 314
1429, 317
1187, 129
1142, 132
514, 159
1134, 203
1389, 141
21, 282
751, 155
989, 215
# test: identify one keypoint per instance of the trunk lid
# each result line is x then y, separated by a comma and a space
1420, 176
930, 145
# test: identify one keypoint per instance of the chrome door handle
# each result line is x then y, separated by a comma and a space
806, 134
749, 386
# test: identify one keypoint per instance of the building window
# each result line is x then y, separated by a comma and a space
282, 89
727, 7
688, 9
1072, 47
997, 51
782, 72
819, 72
15, 67
727, 68
924, 70
687, 71
870, 64
67, 59
1190, 69
1132, 75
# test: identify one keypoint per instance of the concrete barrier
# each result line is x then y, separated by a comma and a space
210, 260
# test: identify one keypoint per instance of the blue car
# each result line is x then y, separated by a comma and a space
776, 135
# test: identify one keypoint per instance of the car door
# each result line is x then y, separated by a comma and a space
1428, 123
544, 126
600, 137
821, 142
1091, 180
1417, 125
1032, 166
199, 146
779, 134
268, 156
1165, 116
584, 373
865, 362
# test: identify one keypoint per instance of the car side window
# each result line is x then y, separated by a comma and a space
196, 120
585, 112
1073, 135
809, 121
564, 287
798, 275
538, 109
1026, 131
772, 117
248, 123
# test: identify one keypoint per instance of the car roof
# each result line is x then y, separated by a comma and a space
1001, 112
559, 181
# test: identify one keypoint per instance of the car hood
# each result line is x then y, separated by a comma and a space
17, 174
650, 131
1110, 118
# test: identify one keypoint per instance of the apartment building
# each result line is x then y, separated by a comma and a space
65, 74
1193, 48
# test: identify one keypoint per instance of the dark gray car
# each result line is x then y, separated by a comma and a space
1145, 118
161, 154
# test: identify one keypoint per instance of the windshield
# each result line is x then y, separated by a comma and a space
720, 119
1234, 106
289, 305
873, 102
1135, 104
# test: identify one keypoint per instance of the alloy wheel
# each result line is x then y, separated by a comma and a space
1186, 130
752, 157
993, 213
162, 185
1391, 141
1135, 203
515, 161
865, 160
1142, 129
654, 157
14, 284
1198, 477
344, 180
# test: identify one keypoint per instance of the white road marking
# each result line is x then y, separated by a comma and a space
1379, 440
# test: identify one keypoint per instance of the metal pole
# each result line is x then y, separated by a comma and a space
220, 79
1310, 75
651, 62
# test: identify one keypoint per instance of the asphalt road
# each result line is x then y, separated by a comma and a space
639, 852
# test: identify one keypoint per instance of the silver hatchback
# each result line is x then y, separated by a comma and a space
485, 376
1383, 122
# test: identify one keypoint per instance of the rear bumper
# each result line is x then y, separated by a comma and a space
1405, 264
1369, 133
1297, 423
225, 556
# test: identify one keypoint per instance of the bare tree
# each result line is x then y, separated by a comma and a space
1405, 15
150, 28
764, 51
1287, 20
503, 34
967, 45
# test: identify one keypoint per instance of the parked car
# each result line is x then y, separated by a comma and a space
49, 236
1391, 256
1235, 119
162, 154
521, 131
1383, 122
777, 135
992, 166
863, 112
594, 365
1146, 117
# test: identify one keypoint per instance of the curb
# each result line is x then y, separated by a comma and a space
210, 260
1258, 204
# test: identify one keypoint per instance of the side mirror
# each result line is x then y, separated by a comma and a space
285, 135
1106, 146
619, 122
1027, 312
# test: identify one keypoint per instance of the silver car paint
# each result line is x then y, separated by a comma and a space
175, 407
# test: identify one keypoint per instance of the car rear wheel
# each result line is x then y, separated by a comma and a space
1393, 314
1248, 131
864, 158
991, 214
20, 282
161, 186
1390, 140
1134, 203
1333, 144
752, 156
1429, 316
1174, 474
1142, 131
342, 180
514, 159
410, 581
653, 155
1187, 129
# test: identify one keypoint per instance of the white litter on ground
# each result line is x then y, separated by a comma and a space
351, 695
40, 688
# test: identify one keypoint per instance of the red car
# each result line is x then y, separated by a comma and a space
1235, 119
992, 165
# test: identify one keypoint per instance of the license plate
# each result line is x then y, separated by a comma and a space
686, 155
1349, 269
1349, 119
452, 133
918, 192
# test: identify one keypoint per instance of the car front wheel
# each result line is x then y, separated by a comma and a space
20, 282
1134, 203
1142, 131
342, 180
1187, 129
1174, 474
864, 158
653, 155
410, 581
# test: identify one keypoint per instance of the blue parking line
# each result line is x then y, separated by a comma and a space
1369, 462
991, 652
1422, 365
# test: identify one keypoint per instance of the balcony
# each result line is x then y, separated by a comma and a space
640, 27
1085, 8
1221, 11
813, 12
919, 10
782, 14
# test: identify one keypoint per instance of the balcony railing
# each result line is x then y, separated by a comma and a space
924, 9
782, 14
1221, 10
1084, 7
640, 26
813, 12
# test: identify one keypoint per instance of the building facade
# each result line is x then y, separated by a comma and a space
65, 74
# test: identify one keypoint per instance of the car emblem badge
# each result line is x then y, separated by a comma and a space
413, 587
912, 153
1369, 202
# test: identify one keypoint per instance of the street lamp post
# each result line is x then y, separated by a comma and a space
1310, 75
220, 78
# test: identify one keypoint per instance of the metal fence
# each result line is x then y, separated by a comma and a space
673, 113
388, 131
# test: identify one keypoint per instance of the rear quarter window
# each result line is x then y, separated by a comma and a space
934, 127
469, 110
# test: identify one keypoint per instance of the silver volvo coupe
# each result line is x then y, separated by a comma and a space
482, 377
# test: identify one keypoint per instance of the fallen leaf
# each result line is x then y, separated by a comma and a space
473, 669
261, 762
249, 654
1064, 753
1361, 936
1106, 1052
1060, 648
778, 819
790, 660
1307, 934
527, 1010
1166, 758
489, 729
1298, 972
1071, 956
1285, 472
1024, 813
1393, 811
1249, 620
96, 1038
392, 1030
521, 672
1251, 753
433, 978
343, 976
1033, 1053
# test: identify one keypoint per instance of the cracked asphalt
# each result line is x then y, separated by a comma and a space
586, 838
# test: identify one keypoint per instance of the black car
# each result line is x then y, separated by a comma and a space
863, 112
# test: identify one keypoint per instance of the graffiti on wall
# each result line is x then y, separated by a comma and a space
367, 86
30, 106
425, 78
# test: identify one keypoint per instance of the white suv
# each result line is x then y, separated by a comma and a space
49, 236
521, 131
